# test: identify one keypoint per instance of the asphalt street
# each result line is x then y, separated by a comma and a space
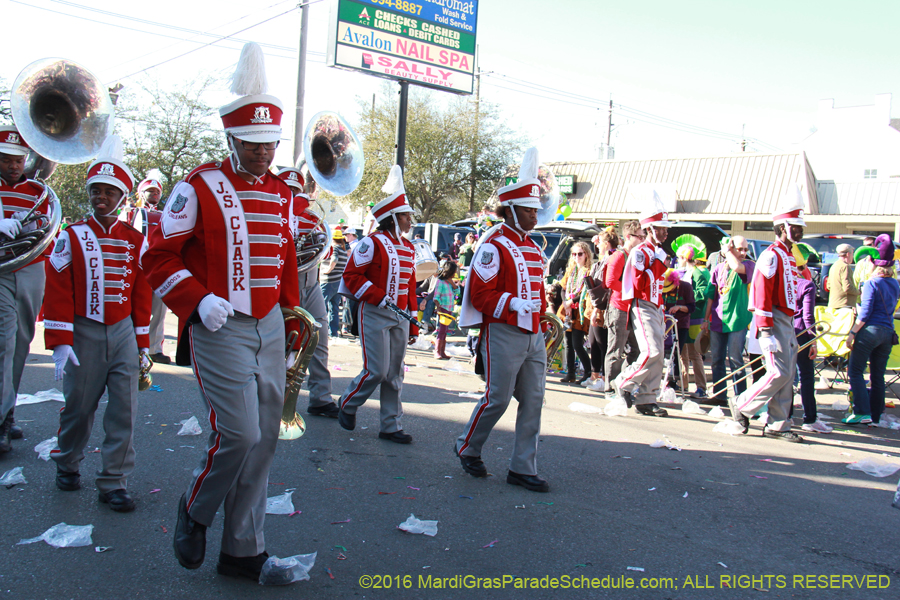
724, 517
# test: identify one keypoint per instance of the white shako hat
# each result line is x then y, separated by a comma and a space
254, 117
654, 213
11, 141
525, 192
790, 208
152, 180
109, 167
396, 202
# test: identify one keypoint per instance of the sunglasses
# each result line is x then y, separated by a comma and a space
578, 254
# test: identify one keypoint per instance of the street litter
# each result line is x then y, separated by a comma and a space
43, 396
685, 495
43, 449
664, 444
190, 427
458, 350
874, 467
840, 404
723, 564
651, 489
692, 408
13, 477
64, 536
280, 505
730, 427
422, 343
491, 545
457, 366
888, 421
99, 549
474, 395
414, 525
758, 477
716, 412
585, 408
616, 408
641, 569
282, 571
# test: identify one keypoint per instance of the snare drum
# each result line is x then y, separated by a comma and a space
426, 262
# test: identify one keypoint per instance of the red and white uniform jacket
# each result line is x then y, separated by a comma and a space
774, 285
21, 197
644, 274
506, 265
96, 274
304, 220
141, 219
222, 235
382, 266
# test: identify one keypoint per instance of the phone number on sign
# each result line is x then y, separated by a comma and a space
402, 5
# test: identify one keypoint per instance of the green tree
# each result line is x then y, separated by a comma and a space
440, 142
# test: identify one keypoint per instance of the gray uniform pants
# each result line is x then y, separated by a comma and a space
157, 325
776, 388
619, 334
109, 361
318, 380
515, 364
383, 337
643, 376
21, 295
241, 373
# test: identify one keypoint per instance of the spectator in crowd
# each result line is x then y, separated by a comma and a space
457, 244
678, 295
606, 242
573, 310
350, 238
330, 280
444, 301
869, 240
804, 326
727, 315
872, 336
618, 332
842, 292
689, 252
467, 250
864, 258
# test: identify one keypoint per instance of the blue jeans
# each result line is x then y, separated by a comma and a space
807, 372
333, 302
871, 348
728, 346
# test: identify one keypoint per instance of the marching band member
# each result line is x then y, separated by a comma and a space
96, 317
22, 291
223, 260
642, 283
303, 223
504, 295
149, 194
381, 271
773, 303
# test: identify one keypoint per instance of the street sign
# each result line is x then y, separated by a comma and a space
566, 183
426, 42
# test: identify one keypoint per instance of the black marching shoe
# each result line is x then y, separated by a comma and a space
190, 538
397, 437
346, 420
473, 465
742, 419
15, 432
5, 438
66, 481
329, 410
241, 566
787, 436
161, 358
529, 482
651, 410
118, 500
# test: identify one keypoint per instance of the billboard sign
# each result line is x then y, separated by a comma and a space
426, 42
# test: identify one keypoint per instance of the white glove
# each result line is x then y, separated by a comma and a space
535, 305
289, 361
768, 344
214, 311
10, 227
384, 302
61, 355
661, 254
523, 307
28, 226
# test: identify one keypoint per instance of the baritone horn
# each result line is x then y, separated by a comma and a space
64, 114
555, 334
292, 424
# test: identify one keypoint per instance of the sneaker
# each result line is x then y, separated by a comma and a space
586, 382
597, 385
855, 419
817, 427
700, 394
787, 436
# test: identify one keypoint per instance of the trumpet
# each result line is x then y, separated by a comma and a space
292, 424
821, 327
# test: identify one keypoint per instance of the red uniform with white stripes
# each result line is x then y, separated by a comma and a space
96, 274
21, 197
646, 269
222, 235
774, 286
304, 221
499, 277
381, 266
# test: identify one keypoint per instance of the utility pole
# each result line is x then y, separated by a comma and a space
475, 138
400, 145
609, 128
743, 138
301, 84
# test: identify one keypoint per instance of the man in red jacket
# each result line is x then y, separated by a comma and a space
620, 333
504, 295
96, 317
223, 260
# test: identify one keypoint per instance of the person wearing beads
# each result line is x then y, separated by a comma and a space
573, 311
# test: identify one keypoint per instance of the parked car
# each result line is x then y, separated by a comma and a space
825, 245
755, 248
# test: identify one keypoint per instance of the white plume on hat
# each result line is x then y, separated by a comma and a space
112, 148
394, 183
250, 74
115, 172
790, 207
530, 163
154, 174
654, 212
